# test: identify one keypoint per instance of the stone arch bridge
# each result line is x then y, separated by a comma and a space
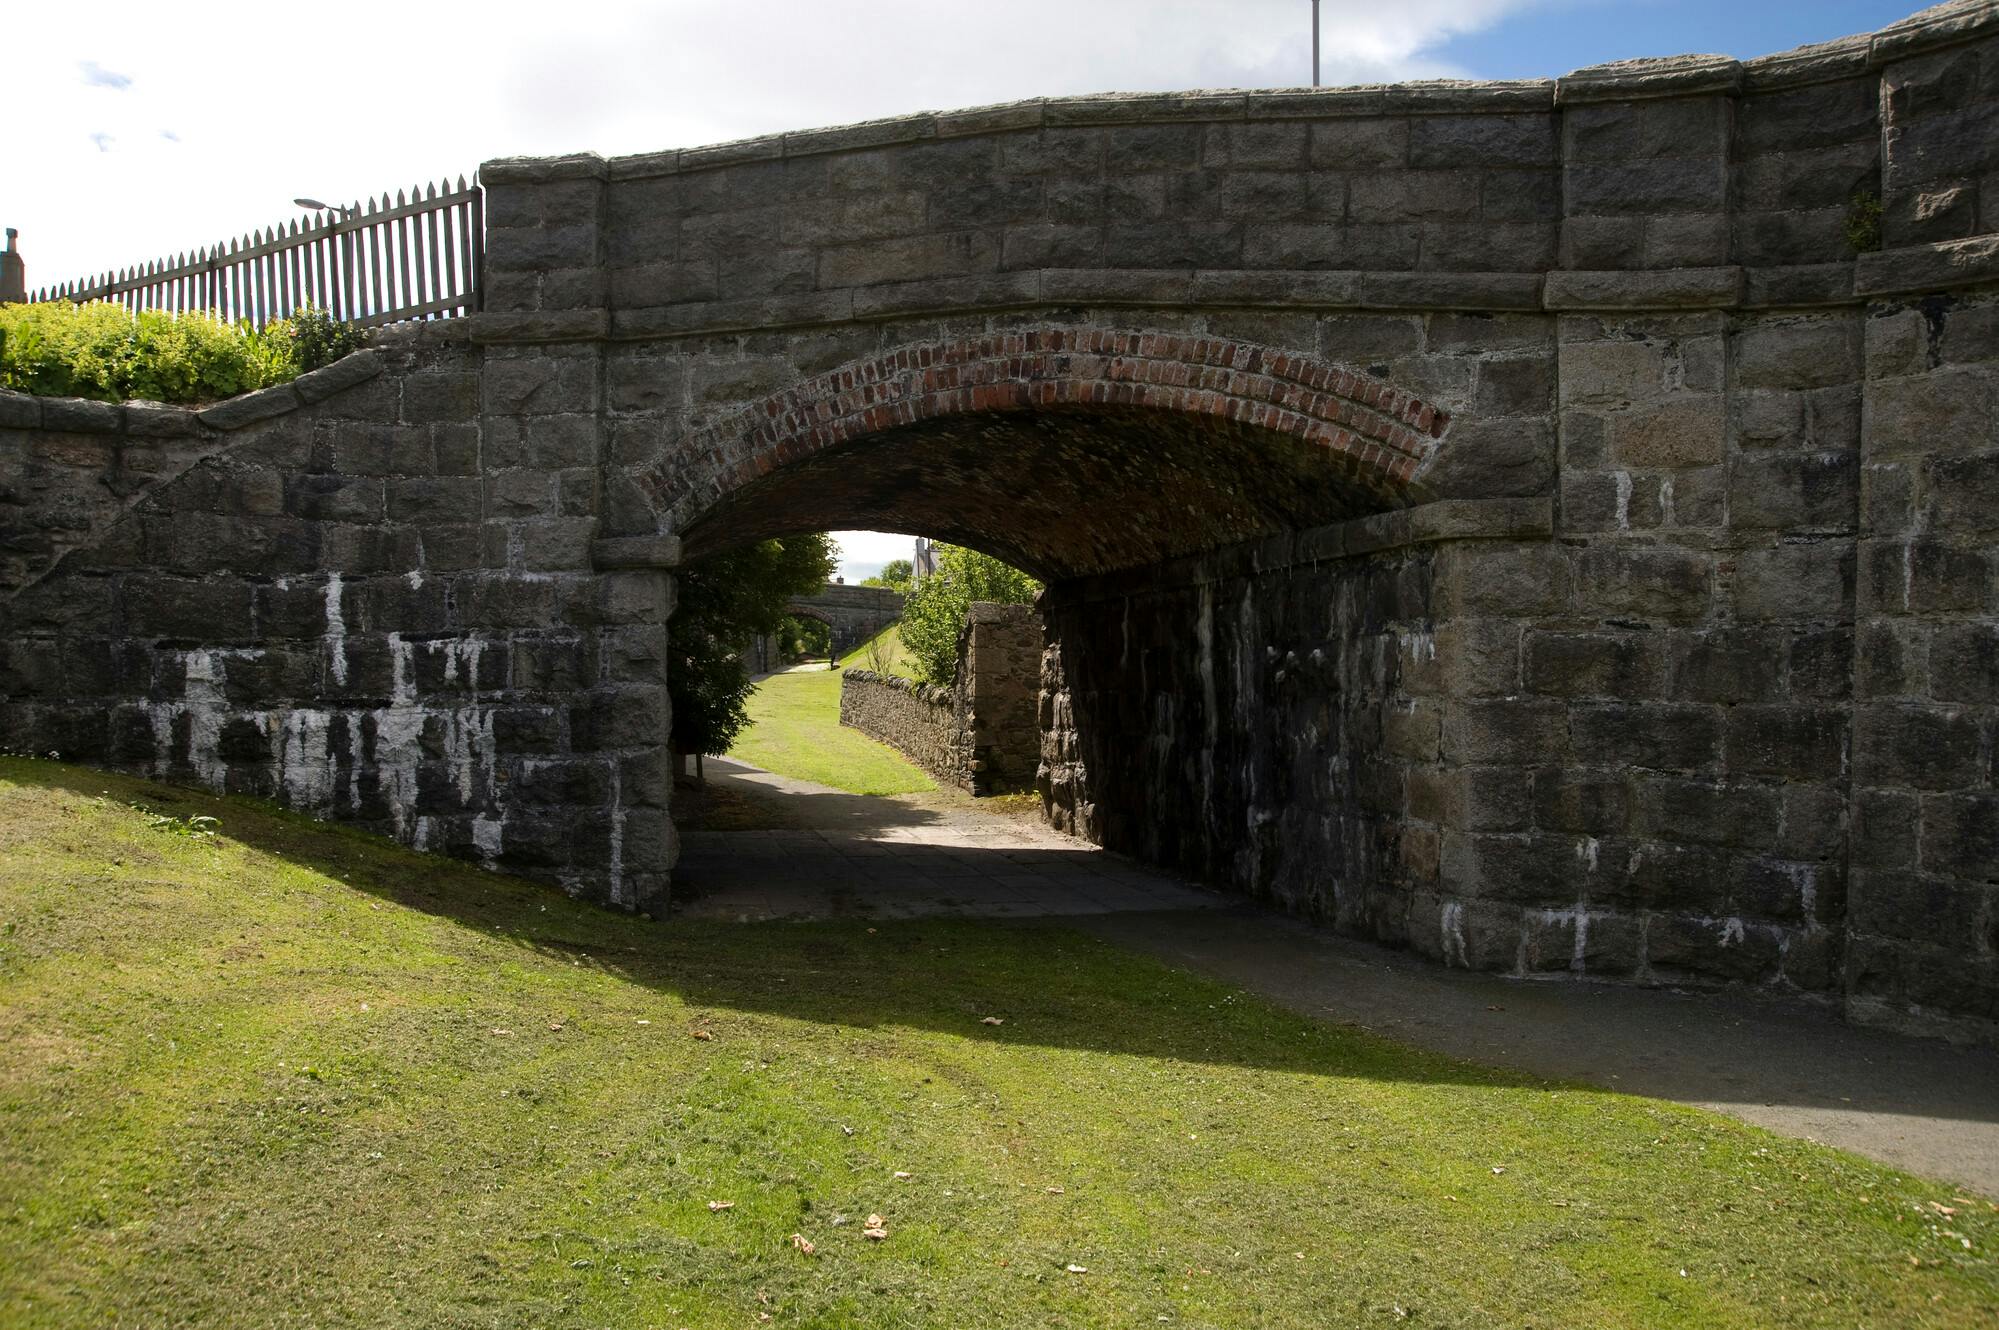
1550, 524
853, 614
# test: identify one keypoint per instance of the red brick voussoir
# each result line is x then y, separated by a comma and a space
1376, 436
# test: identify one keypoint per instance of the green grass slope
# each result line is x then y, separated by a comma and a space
290, 1075
795, 731
884, 653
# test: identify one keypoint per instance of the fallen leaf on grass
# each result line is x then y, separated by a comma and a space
876, 1228
1053, 1191
702, 1035
1075, 1269
902, 1176
497, 1030
1497, 1169
642, 1022
992, 1020
721, 1205
555, 1025
800, 1241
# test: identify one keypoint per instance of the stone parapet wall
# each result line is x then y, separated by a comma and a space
980, 734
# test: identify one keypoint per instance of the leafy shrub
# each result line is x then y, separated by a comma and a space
934, 612
314, 339
107, 352
724, 602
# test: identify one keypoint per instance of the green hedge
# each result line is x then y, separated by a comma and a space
107, 352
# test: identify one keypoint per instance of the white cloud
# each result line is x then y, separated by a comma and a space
229, 109
862, 553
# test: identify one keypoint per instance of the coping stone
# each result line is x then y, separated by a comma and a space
1632, 80
19, 410
353, 368
80, 415
157, 420
250, 408
1939, 25
541, 170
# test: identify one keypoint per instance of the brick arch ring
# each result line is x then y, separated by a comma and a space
1375, 436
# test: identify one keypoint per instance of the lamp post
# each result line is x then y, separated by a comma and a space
341, 287
1315, 43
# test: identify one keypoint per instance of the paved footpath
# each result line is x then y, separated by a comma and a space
1919, 1104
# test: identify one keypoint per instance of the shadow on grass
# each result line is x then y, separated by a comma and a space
1053, 988
1064, 989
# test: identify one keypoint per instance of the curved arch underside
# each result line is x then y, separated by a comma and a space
1064, 451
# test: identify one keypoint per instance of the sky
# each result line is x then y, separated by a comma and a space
137, 130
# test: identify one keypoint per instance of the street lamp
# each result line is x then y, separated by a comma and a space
341, 286
1315, 43
317, 206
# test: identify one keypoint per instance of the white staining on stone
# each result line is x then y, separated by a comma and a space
1587, 852
402, 687
398, 750
468, 748
160, 715
1666, 517
1419, 645
1806, 878
1452, 926
336, 631
617, 858
356, 750
1622, 479
205, 702
486, 838
1732, 934
306, 763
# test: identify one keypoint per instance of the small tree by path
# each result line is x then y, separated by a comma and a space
934, 612
725, 601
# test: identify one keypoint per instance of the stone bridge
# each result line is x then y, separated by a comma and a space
853, 613
1550, 525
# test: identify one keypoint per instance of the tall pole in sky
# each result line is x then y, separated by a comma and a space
1315, 43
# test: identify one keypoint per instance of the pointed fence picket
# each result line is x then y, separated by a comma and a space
378, 261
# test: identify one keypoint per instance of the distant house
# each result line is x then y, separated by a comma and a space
924, 561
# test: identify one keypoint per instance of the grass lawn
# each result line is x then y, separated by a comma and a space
883, 653
290, 1075
795, 731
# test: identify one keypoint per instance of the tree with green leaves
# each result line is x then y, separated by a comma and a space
725, 601
896, 575
934, 612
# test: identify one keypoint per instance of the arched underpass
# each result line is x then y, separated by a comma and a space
1087, 455
1083, 455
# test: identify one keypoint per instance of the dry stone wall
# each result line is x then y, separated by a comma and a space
981, 734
